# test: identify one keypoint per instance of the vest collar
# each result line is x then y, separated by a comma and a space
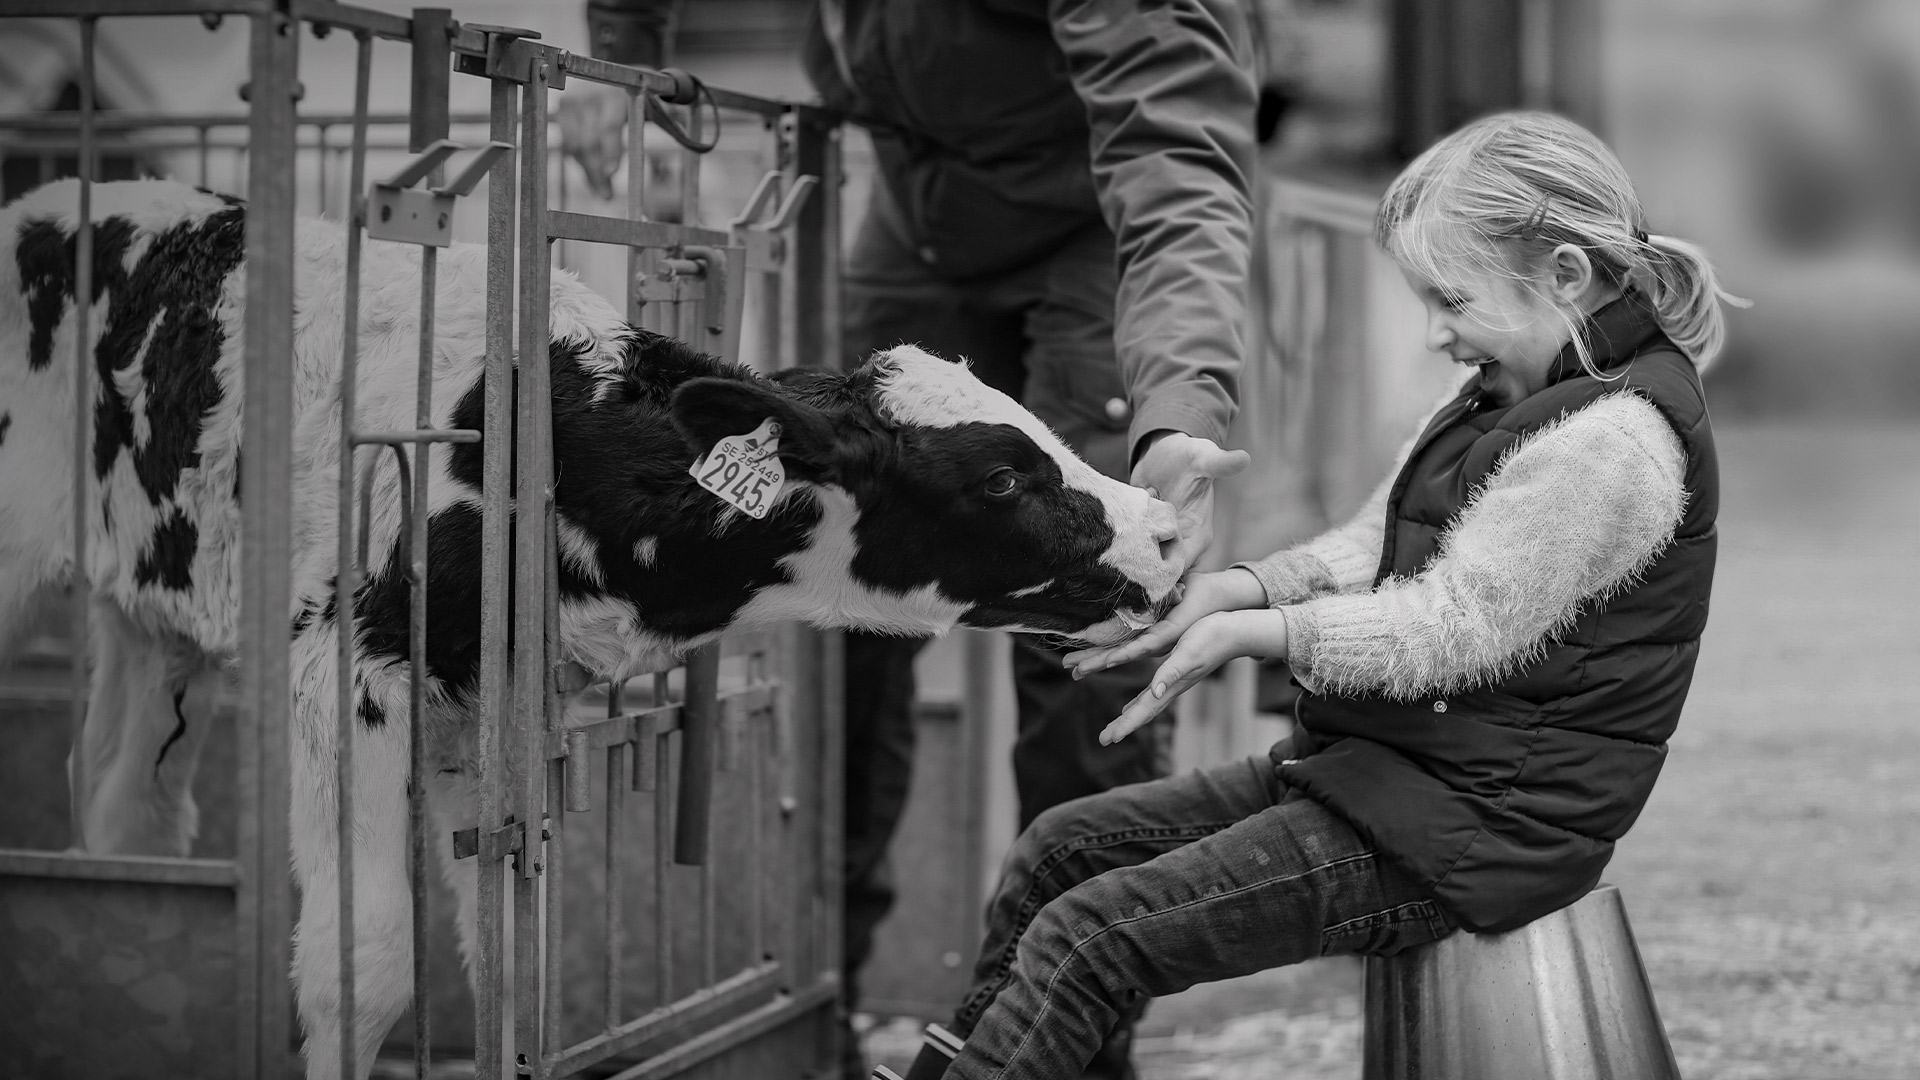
1615, 333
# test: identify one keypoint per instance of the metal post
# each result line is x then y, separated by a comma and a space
612, 926
79, 784
349, 570
432, 55
263, 895
497, 582
526, 773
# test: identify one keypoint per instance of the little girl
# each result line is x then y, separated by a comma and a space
1494, 651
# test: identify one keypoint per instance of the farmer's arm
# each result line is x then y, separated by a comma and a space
1170, 99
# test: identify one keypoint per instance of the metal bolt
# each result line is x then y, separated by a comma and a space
443, 221
788, 804
386, 213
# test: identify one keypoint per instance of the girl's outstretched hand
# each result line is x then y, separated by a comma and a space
1228, 590
1211, 641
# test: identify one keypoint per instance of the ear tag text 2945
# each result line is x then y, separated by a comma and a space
745, 470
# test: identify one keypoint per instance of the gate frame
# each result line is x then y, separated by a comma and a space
802, 319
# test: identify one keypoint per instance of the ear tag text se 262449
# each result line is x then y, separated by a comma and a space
745, 470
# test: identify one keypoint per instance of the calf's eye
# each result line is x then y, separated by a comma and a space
1002, 483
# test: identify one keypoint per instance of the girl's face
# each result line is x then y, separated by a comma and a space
1495, 325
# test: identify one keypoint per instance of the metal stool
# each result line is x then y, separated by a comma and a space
1564, 997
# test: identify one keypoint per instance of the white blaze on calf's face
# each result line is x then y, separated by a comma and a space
920, 389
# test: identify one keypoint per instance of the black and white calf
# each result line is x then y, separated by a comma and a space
917, 499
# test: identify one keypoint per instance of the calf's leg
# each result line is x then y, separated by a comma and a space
150, 706
382, 956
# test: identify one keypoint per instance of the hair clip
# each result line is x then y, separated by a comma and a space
1537, 220
1640, 236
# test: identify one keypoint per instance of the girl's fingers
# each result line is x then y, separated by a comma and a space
1156, 639
1168, 683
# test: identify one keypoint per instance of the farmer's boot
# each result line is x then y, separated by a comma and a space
936, 1053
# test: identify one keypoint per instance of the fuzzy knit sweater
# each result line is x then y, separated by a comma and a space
1572, 513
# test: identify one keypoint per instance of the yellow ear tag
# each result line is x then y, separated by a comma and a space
745, 470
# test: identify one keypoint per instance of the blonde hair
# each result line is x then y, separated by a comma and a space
1500, 194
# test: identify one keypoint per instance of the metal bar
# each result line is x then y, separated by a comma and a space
603, 71
79, 784
690, 168
201, 144
666, 1023
613, 930
349, 568
636, 193
94, 9
782, 1010
123, 122
579, 786
660, 750
360, 20
263, 903
424, 435
108, 143
428, 117
320, 166
815, 284
431, 78
556, 789
756, 778
496, 580
619, 730
526, 775
75, 865
698, 718
598, 229
552, 951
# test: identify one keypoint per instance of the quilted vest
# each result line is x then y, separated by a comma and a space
1506, 800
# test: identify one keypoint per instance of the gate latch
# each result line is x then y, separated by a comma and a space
395, 211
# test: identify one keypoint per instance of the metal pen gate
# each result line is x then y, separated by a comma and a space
709, 959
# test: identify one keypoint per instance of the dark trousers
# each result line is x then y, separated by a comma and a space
1042, 334
1154, 888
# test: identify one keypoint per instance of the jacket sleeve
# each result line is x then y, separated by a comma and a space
1170, 99
1575, 512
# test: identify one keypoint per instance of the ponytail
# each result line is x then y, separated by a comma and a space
1686, 295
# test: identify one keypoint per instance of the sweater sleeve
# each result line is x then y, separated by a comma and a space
1573, 513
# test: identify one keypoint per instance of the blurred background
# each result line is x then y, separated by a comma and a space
1772, 878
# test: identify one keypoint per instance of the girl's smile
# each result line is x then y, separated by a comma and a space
1509, 333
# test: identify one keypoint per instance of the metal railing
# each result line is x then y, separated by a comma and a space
752, 718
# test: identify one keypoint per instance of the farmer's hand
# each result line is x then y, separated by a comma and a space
1181, 469
1205, 594
593, 131
1212, 641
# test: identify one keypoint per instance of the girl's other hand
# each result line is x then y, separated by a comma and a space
1212, 641
1228, 590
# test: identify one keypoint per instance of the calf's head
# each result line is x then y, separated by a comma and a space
944, 501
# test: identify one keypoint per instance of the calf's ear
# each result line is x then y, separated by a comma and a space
707, 410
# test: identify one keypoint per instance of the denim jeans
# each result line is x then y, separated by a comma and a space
1152, 888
